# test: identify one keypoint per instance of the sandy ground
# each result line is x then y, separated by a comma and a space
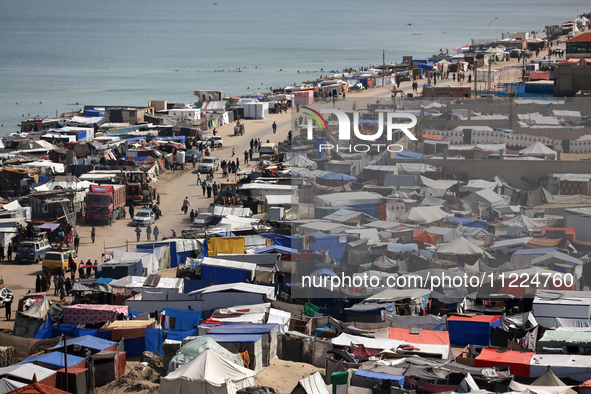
173, 187
283, 375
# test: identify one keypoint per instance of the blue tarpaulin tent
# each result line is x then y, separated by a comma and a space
55, 359
470, 330
183, 319
69, 330
336, 176
86, 341
224, 275
241, 328
286, 240
335, 250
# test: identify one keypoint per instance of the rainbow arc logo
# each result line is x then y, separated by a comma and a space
318, 118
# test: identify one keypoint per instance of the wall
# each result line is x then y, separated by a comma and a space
570, 78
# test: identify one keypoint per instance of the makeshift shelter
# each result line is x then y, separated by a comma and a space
426, 215
133, 333
269, 340
537, 149
38, 388
470, 330
240, 343
27, 323
29, 371
565, 341
207, 373
56, 360
422, 342
89, 342
197, 346
299, 161
518, 362
220, 271
313, 384
550, 305
547, 383
571, 366
118, 269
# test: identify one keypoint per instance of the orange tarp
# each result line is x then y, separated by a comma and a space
424, 236
427, 337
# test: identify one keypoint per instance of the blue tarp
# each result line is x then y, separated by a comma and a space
241, 328
286, 241
426, 66
180, 335
103, 281
235, 338
154, 339
70, 330
86, 341
467, 222
407, 154
194, 284
399, 380
337, 176
55, 359
469, 333
224, 275
275, 248
184, 319
335, 250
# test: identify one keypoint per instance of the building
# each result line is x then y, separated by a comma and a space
571, 78
579, 47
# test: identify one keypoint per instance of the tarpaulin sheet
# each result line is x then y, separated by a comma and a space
134, 347
518, 362
55, 359
226, 245
335, 250
380, 376
69, 330
470, 331
183, 319
242, 328
92, 314
425, 336
180, 335
154, 338
223, 275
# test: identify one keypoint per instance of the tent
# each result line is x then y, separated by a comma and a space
220, 271
523, 221
427, 214
239, 343
470, 330
27, 323
269, 340
571, 366
207, 374
90, 342
537, 149
92, 314
197, 346
299, 161
518, 362
459, 246
547, 383
313, 384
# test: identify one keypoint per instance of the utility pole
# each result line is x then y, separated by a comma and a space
383, 65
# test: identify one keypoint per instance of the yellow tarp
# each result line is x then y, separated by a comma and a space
226, 245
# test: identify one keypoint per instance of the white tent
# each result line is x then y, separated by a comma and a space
538, 149
459, 246
427, 214
207, 374
523, 221
299, 161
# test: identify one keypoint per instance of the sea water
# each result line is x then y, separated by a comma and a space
59, 55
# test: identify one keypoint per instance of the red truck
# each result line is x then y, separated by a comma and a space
105, 203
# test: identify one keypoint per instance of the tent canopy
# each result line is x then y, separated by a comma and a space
459, 246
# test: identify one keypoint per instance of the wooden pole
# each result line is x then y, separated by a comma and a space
66, 360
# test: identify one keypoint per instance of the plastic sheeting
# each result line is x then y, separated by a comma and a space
226, 245
473, 330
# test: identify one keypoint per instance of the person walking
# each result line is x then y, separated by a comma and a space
158, 200
233, 152
245, 157
156, 233
149, 231
274, 127
215, 189
9, 252
38, 284
76, 243
192, 215
204, 187
208, 191
8, 306
138, 232
2, 252
131, 211
186, 205
93, 234
250, 153
173, 233
198, 177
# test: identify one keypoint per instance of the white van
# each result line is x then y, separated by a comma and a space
531, 67
268, 149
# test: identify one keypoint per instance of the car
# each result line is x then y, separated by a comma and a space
203, 219
217, 141
192, 153
208, 163
32, 251
144, 217
58, 259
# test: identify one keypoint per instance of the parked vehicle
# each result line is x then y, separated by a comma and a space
192, 153
58, 259
209, 162
144, 217
203, 220
105, 203
139, 190
32, 251
217, 141
268, 149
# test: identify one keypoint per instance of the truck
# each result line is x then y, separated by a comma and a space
105, 203
139, 190
227, 194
